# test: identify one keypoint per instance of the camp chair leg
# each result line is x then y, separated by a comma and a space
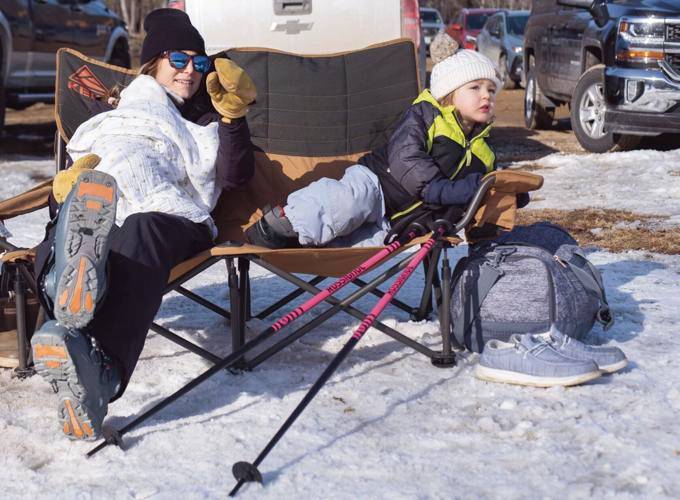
232, 280
190, 346
430, 266
243, 294
446, 358
205, 303
22, 371
288, 298
380, 294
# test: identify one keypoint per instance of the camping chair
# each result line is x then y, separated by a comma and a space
315, 116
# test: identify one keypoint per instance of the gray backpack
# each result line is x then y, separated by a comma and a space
524, 282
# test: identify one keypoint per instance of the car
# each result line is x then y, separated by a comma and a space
431, 23
305, 27
467, 24
616, 64
31, 31
502, 40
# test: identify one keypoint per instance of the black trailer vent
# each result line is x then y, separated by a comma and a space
673, 32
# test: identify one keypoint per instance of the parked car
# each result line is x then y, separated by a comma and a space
467, 24
305, 26
616, 62
31, 31
502, 40
431, 23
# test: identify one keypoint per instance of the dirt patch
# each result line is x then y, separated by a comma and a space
613, 230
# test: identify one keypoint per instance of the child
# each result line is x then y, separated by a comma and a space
436, 155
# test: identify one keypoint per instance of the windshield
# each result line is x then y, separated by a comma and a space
516, 24
476, 21
430, 16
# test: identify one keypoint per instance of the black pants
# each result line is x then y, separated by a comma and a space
143, 251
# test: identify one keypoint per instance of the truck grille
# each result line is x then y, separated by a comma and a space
673, 32
674, 61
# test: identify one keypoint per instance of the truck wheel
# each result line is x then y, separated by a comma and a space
508, 83
588, 108
536, 116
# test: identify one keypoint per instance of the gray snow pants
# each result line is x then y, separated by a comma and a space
348, 212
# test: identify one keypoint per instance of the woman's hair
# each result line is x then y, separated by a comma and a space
149, 68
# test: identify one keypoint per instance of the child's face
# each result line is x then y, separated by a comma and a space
476, 101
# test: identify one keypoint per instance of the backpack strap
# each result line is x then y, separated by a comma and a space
489, 274
592, 282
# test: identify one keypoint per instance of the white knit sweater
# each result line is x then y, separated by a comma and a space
161, 162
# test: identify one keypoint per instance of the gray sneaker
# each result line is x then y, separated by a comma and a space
82, 375
608, 359
526, 360
77, 280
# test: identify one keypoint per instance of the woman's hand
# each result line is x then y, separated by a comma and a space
231, 89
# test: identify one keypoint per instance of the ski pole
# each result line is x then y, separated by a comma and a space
245, 471
115, 437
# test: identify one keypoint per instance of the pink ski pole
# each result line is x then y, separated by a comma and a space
245, 471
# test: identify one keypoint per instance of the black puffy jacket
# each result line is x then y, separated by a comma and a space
428, 146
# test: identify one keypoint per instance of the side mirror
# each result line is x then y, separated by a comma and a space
597, 8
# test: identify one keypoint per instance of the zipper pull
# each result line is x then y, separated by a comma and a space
468, 156
559, 261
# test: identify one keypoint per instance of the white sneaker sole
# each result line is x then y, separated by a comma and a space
614, 367
508, 377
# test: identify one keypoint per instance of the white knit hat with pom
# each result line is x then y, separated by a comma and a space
462, 67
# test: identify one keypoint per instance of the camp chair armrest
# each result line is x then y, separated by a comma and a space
477, 199
7, 246
27, 202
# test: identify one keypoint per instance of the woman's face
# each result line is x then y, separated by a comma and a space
183, 82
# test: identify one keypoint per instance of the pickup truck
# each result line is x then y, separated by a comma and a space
31, 31
305, 26
615, 62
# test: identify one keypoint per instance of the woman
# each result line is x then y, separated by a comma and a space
145, 208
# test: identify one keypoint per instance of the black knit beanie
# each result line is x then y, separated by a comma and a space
169, 29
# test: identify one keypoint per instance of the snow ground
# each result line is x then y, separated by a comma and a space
388, 424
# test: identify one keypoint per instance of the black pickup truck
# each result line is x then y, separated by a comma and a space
31, 31
615, 62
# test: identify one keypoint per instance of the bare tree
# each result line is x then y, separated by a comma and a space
133, 12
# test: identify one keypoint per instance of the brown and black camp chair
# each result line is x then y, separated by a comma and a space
314, 117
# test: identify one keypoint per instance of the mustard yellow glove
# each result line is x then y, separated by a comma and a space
230, 89
66, 179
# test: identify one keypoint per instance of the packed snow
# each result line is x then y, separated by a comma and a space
388, 424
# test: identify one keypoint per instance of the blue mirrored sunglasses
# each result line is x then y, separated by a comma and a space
180, 60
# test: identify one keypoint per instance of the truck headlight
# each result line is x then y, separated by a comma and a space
640, 39
646, 30
517, 50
